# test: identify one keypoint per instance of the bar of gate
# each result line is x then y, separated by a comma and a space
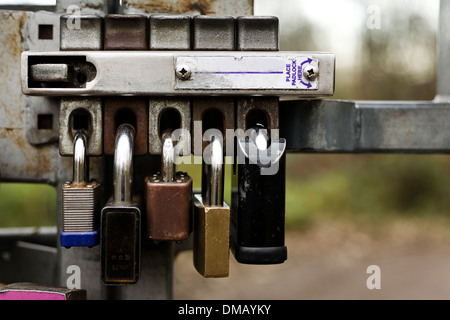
326, 126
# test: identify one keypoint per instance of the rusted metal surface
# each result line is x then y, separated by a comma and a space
99, 7
169, 205
267, 109
19, 160
119, 110
126, 32
211, 113
193, 7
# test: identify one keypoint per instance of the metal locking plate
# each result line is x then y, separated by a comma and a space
186, 73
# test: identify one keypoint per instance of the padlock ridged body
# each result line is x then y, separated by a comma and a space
81, 201
169, 208
80, 204
211, 239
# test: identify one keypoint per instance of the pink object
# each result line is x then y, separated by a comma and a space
31, 295
32, 291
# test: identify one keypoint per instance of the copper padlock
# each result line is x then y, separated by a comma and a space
169, 198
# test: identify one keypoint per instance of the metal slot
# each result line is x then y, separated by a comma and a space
170, 119
45, 32
60, 72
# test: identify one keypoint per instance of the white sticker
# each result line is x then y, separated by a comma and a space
246, 72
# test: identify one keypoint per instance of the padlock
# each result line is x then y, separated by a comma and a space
121, 217
81, 201
212, 217
169, 198
258, 200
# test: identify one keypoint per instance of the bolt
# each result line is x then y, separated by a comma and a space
183, 72
310, 71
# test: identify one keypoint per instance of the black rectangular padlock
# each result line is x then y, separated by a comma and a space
121, 218
258, 200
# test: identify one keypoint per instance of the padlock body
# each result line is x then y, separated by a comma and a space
120, 243
211, 239
169, 208
80, 214
258, 215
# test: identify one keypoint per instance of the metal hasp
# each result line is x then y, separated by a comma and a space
121, 218
266, 73
81, 201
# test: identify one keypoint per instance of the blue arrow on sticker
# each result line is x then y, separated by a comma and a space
306, 84
306, 61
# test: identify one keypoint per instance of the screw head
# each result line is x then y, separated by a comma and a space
183, 72
310, 71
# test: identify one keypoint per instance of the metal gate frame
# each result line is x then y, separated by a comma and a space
319, 126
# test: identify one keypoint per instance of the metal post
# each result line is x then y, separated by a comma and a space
443, 50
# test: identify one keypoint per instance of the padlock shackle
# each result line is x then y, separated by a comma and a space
123, 164
212, 180
260, 137
168, 171
80, 160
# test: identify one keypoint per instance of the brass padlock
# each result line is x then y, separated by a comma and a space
121, 218
169, 198
212, 217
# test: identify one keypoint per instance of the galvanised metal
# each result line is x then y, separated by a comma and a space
162, 113
88, 35
365, 127
213, 33
257, 33
88, 111
350, 128
170, 32
212, 73
191, 7
50, 72
442, 50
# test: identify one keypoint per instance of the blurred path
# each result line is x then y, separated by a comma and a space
330, 262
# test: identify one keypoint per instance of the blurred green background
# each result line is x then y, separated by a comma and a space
372, 64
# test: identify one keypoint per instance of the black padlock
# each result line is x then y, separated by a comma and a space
258, 200
121, 218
